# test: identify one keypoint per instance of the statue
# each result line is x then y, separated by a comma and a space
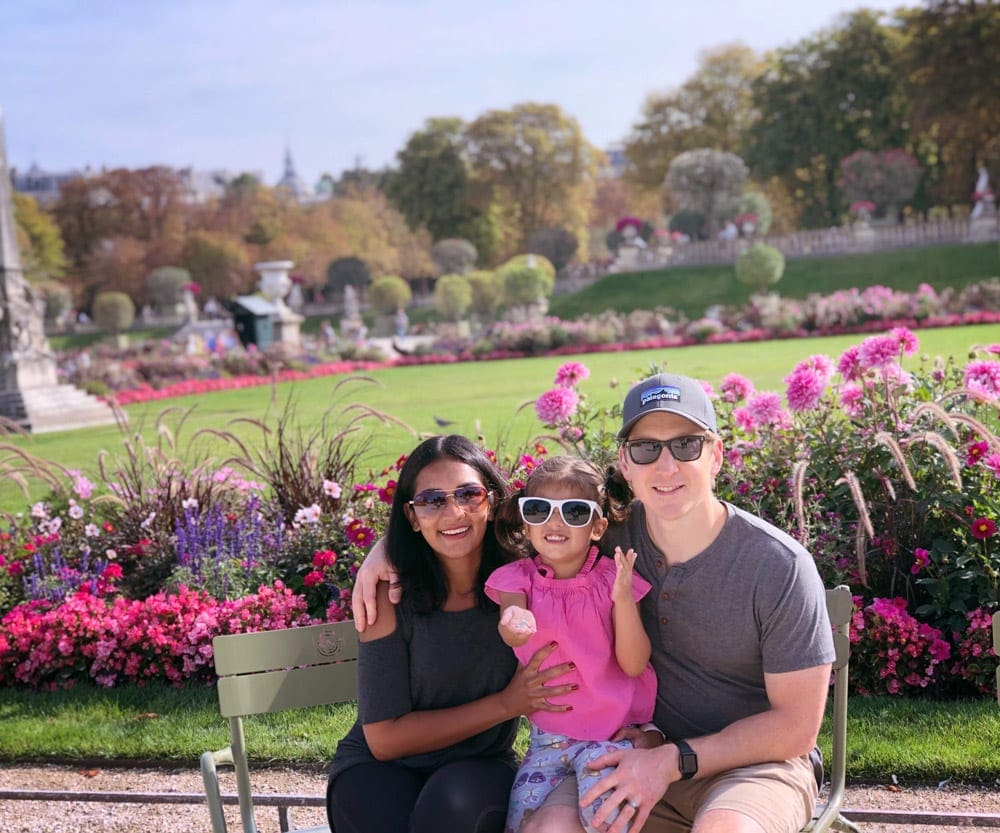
983, 196
350, 321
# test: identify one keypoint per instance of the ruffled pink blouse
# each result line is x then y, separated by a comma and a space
576, 614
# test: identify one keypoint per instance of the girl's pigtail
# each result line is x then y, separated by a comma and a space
619, 495
508, 526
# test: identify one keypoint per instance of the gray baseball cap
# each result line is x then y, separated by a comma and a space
671, 394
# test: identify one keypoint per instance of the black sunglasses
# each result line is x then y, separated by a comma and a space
575, 511
434, 500
682, 449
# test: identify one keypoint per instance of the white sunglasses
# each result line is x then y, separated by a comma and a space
574, 511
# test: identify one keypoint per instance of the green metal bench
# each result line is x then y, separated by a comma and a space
299, 667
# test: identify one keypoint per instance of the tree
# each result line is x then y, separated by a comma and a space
709, 182
950, 68
452, 297
525, 285
713, 108
819, 101
218, 262
371, 227
556, 244
430, 186
453, 256
888, 178
42, 252
535, 164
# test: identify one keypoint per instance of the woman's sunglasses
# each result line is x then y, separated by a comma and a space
434, 500
575, 511
682, 449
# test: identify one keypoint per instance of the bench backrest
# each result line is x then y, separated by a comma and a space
286, 669
272, 671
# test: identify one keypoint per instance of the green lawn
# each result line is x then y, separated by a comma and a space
691, 289
921, 741
477, 398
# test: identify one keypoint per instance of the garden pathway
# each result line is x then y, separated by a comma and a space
65, 817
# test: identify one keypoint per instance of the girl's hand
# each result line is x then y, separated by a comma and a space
621, 592
517, 625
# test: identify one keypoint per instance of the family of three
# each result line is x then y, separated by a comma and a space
671, 651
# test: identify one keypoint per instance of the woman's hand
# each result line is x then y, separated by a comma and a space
527, 691
373, 569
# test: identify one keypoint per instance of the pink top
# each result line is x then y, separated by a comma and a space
576, 613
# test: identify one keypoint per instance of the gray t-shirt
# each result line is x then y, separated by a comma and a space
752, 602
431, 661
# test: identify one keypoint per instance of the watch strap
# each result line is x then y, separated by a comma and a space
688, 760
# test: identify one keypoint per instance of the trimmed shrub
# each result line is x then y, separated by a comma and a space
760, 266
454, 256
164, 286
486, 289
524, 285
556, 244
389, 294
452, 297
113, 312
347, 271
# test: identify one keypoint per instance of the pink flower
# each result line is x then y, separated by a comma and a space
983, 528
849, 365
975, 452
765, 408
983, 376
906, 340
993, 464
852, 397
311, 579
736, 388
921, 560
571, 374
324, 558
878, 352
556, 406
807, 382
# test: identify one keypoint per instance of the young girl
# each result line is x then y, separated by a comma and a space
565, 592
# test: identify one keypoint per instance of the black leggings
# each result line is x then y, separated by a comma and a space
468, 796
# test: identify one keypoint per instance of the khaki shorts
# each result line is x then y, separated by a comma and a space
780, 797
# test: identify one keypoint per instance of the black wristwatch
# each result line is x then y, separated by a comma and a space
689, 760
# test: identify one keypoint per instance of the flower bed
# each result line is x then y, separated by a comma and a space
889, 478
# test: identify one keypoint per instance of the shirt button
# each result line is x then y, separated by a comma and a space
664, 620
666, 596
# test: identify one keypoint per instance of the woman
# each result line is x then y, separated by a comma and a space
439, 694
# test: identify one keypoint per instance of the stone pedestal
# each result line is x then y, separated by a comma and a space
983, 225
30, 395
275, 284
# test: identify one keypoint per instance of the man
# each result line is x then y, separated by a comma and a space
742, 645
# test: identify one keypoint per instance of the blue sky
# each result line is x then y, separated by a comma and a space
228, 83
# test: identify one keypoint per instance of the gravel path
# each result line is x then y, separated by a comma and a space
72, 817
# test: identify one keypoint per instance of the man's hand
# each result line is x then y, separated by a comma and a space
374, 568
640, 779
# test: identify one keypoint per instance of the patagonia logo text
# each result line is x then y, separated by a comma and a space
660, 394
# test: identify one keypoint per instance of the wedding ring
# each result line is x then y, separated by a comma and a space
633, 803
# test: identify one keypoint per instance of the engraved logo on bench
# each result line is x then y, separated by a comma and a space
328, 644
